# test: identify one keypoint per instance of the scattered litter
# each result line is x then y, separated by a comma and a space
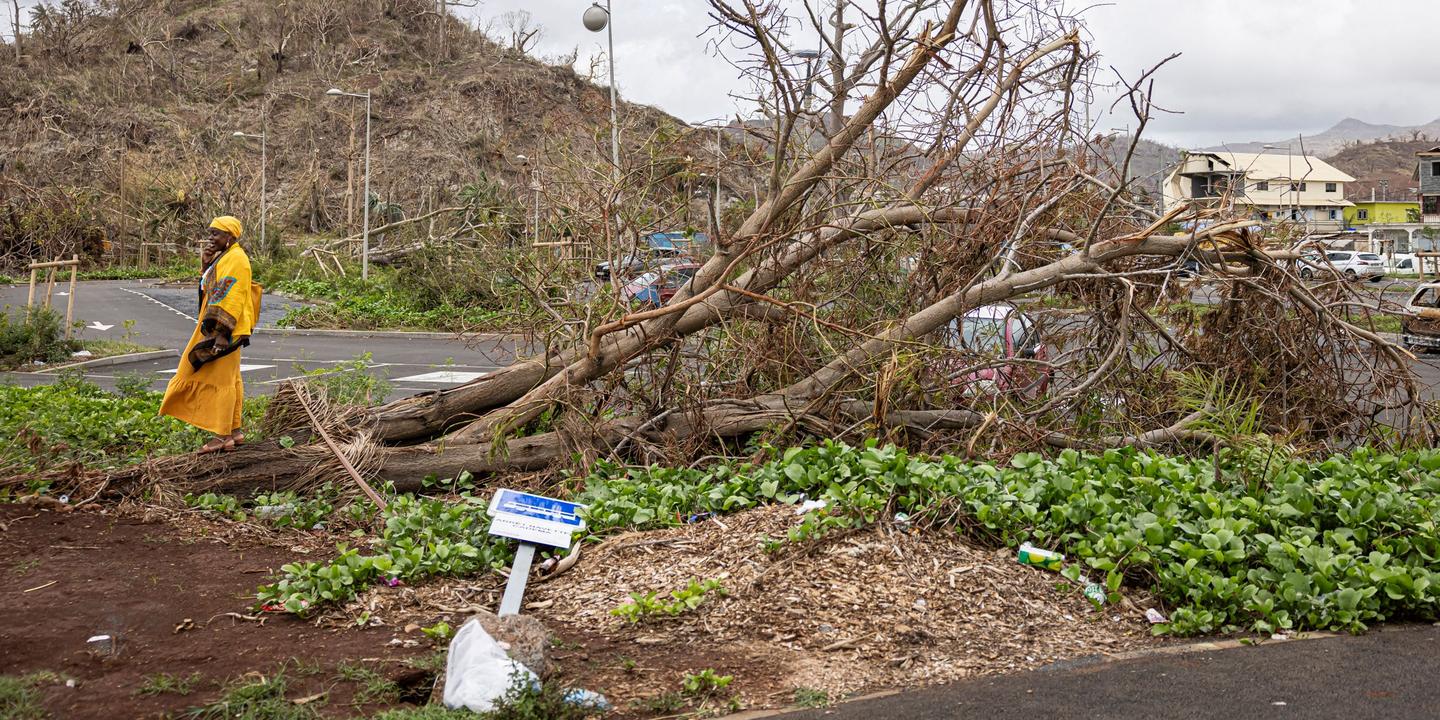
920, 604
691, 519
1279, 636
274, 511
478, 672
70, 682
1154, 616
101, 644
825, 628
588, 699
393, 582
82, 354
1278, 702
1096, 593
1040, 557
809, 505
902, 521
41, 587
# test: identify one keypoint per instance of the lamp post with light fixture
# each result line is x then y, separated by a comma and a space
365, 241
597, 18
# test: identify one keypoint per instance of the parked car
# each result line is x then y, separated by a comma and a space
655, 288
656, 249
1004, 332
1346, 263
1420, 329
634, 263
1402, 263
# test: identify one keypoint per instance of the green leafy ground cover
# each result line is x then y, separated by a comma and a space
74, 420
1261, 546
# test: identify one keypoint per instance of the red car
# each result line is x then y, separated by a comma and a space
1004, 333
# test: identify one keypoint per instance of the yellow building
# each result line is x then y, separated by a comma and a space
1366, 212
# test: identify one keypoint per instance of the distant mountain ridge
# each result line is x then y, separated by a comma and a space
1346, 133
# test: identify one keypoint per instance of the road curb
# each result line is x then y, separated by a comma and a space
1092, 660
412, 334
111, 360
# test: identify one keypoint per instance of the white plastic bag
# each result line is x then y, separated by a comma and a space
478, 671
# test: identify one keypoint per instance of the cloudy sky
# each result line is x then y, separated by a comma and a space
1250, 69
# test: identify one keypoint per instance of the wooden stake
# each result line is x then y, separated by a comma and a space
49, 283
30, 300
70, 301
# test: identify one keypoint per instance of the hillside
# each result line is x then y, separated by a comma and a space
1149, 163
1347, 132
142, 99
1388, 161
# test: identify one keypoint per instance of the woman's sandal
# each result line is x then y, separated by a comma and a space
235, 440
215, 444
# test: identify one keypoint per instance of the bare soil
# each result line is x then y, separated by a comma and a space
72, 575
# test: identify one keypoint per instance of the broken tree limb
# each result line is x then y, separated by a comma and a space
344, 461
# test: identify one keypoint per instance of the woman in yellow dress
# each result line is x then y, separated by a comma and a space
206, 391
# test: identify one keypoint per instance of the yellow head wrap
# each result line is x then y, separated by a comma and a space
228, 224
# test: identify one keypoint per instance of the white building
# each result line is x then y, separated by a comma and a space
1265, 186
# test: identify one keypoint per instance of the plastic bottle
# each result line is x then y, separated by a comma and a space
1040, 557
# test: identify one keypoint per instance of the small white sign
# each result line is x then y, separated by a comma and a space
534, 518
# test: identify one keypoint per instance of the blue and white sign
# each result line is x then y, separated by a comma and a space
534, 518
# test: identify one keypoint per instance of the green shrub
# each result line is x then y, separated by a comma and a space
36, 335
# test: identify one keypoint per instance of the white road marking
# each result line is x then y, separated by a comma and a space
161, 304
97, 325
443, 376
243, 368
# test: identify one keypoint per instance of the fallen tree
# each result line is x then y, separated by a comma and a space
963, 177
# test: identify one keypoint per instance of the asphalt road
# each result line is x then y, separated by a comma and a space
1387, 673
164, 317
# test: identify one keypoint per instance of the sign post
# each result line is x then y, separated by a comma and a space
533, 520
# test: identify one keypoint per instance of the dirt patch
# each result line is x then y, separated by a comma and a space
138, 577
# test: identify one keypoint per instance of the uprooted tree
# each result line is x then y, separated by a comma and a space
933, 161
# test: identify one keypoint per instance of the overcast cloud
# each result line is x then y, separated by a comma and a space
1250, 69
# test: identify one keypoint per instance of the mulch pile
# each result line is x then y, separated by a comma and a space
854, 612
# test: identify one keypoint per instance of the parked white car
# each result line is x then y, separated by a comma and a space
1402, 263
1348, 264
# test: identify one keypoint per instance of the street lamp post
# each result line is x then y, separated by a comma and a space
597, 18
263, 172
365, 241
809, 56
